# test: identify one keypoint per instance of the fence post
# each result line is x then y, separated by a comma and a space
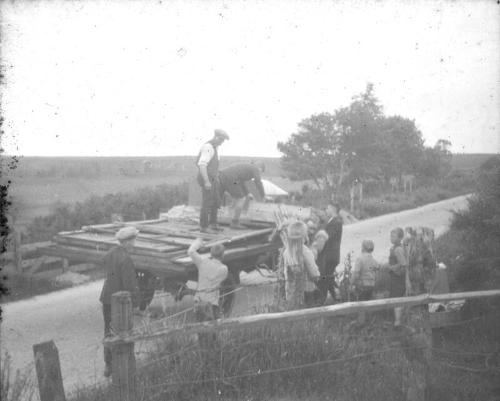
418, 344
123, 357
48, 371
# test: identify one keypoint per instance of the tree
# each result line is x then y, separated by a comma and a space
401, 146
361, 122
314, 151
353, 143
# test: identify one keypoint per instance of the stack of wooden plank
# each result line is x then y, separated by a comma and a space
161, 244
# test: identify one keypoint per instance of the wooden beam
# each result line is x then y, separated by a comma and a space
241, 237
156, 246
346, 308
176, 233
162, 267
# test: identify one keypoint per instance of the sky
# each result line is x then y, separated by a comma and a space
134, 78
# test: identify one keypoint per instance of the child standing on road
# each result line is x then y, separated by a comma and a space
364, 273
398, 265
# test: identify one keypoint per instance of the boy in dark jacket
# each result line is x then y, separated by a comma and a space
120, 276
329, 257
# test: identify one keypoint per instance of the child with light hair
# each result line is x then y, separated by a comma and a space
364, 273
300, 270
318, 243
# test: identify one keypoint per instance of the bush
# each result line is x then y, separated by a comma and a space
478, 263
144, 203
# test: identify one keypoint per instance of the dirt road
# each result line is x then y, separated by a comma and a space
72, 317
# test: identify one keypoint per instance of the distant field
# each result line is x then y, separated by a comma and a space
471, 161
33, 198
39, 183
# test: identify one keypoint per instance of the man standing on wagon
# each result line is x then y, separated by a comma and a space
233, 181
208, 178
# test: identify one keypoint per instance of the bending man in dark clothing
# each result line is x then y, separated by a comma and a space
233, 181
329, 257
120, 276
208, 178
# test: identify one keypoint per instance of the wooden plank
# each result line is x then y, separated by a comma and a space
163, 267
343, 309
101, 246
147, 226
159, 238
241, 237
48, 371
120, 224
142, 244
176, 233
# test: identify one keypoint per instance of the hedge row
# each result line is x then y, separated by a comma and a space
143, 203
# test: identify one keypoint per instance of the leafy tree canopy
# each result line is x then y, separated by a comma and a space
359, 142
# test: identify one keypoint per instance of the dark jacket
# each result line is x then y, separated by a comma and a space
331, 252
120, 275
238, 174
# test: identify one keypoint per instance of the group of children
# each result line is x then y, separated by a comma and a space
411, 266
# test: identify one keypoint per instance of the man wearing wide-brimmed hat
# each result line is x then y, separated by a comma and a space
120, 276
208, 178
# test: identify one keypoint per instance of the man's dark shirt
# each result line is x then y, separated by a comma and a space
120, 275
238, 174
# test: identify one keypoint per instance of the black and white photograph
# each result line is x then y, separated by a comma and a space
269, 200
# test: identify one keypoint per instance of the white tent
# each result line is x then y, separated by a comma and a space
273, 190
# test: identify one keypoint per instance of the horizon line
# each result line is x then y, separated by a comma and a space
191, 155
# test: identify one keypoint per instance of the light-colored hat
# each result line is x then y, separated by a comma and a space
126, 233
219, 133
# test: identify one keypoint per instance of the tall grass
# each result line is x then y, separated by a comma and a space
15, 386
323, 356
321, 359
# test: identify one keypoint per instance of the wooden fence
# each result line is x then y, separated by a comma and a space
122, 344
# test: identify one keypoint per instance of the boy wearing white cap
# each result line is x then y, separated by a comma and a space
211, 274
120, 276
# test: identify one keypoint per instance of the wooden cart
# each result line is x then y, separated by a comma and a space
160, 253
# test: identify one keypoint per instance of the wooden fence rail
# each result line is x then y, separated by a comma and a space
346, 308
